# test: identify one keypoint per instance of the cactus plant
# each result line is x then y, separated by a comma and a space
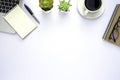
46, 5
64, 5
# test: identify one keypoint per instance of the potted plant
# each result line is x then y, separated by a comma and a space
46, 5
64, 5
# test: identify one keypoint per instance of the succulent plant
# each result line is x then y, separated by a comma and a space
64, 5
46, 5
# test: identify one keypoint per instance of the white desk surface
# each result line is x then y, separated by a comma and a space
63, 47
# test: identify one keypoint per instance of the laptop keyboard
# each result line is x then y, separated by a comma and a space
6, 5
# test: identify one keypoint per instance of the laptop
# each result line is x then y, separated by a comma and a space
5, 6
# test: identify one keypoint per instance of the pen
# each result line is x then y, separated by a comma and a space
30, 11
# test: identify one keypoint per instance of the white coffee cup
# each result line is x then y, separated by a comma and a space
87, 12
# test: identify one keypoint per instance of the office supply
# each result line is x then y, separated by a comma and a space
91, 8
20, 22
32, 14
112, 33
5, 6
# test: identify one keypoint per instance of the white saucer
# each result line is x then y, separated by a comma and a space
87, 13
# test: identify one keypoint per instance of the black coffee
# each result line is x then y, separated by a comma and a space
93, 4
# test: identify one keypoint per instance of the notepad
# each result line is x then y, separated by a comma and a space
20, 22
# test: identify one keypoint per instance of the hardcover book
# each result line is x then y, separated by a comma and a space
112, 33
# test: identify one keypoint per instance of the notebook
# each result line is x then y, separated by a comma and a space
20, 22
5, 6
112, 33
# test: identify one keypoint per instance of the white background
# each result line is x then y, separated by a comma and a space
65, 46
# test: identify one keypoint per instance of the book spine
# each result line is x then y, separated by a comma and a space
111, 20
